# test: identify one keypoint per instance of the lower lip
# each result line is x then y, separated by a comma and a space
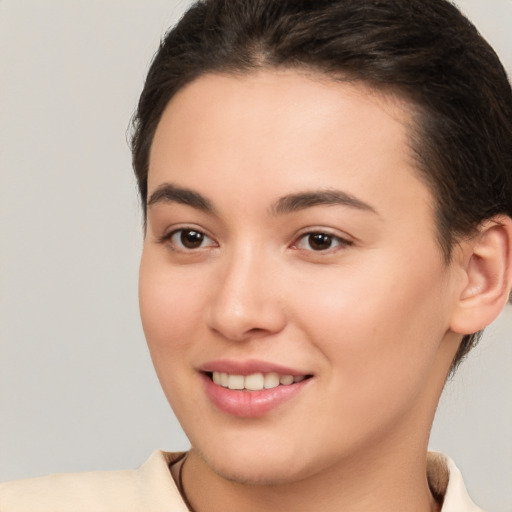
250, 404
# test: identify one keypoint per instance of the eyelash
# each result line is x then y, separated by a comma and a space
168, 239
340, 242
330, 238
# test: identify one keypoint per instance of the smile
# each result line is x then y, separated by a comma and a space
254, 381
252, 388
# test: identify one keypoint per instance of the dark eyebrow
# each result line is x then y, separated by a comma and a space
167, 193
302, 200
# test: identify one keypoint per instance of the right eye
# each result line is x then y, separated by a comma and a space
188, 239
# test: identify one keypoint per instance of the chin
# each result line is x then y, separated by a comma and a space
256, 467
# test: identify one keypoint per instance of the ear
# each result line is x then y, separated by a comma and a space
486, 261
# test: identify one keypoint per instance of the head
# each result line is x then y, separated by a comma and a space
295, 159
425, 53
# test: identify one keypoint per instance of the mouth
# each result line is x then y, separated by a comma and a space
252, 389
254, 381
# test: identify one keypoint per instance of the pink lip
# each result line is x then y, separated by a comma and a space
247, 367
249, 404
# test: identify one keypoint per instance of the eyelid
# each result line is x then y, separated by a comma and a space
343, 241
166, 238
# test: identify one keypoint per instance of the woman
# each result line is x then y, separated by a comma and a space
327, 194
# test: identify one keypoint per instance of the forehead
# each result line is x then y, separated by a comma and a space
279, 98
293, 129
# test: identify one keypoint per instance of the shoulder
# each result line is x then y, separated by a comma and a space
150, 487
446, 483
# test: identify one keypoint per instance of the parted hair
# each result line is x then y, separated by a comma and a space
423, 51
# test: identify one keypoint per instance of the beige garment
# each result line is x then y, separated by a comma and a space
152, 489
147, 489
445, 480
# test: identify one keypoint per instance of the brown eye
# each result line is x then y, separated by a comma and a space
189, 239
320, 241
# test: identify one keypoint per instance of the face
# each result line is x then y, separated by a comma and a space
291, 252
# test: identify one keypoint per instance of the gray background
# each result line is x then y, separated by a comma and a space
77, 389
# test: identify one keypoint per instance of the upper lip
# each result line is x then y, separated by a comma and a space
248, 367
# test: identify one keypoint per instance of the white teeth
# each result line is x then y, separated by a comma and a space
224, 379
236, 382
255, 381
271, 381
286, 380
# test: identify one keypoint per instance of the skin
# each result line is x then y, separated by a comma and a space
369, 318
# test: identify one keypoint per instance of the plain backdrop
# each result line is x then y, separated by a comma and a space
77, 389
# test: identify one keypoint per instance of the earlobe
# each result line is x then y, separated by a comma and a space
487, 260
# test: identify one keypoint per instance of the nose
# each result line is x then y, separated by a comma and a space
246, 302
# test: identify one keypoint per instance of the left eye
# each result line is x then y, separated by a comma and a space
190, 239
320, 242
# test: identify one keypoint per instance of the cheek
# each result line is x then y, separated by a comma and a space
379, 327
170, 307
